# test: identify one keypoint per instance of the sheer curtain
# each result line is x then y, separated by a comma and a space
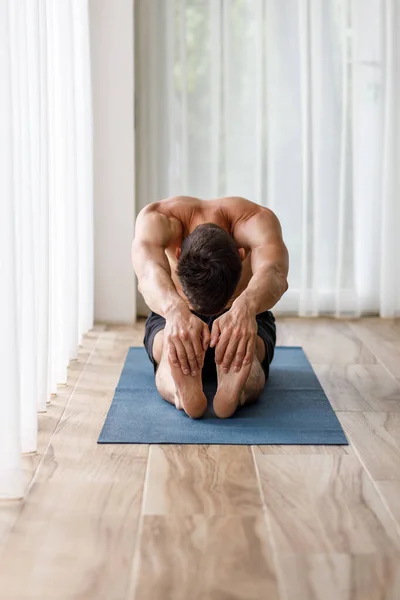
46, 256
293, 104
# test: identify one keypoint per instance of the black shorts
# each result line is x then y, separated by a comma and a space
266, 331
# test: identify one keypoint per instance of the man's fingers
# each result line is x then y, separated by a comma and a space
215, 334
221, 347
173, 355
191, 356
230, 354
248, 359
206, 337
240, 354
182, 356
198, 350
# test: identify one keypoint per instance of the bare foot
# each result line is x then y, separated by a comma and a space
189, 393
230, 393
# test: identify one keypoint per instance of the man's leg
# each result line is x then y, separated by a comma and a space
237, 389
184, 391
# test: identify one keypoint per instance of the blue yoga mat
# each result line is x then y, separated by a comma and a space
293, 409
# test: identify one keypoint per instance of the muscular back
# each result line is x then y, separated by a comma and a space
182, 214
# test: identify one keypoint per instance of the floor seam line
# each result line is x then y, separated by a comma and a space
376, 488
266, 519
132, 578
380, 362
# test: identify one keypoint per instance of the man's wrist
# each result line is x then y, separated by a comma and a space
177, 305
243, 302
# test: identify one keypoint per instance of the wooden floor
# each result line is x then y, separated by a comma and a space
207, 522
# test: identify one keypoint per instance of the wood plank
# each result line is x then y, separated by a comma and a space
324, 504
86, 398
341, 577
103, 371
74, 453
47, 424
49, 420
208, 480
9, 512
376, 438
385, 329
359, 387
303, 449
285, 334
73, 541
114, 344
384, 345
82, 490
325, 341
84, 353
390, 492
388, 353
202, 558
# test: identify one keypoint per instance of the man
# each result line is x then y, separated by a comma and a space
210, 271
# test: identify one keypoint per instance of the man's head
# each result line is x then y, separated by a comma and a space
209, 268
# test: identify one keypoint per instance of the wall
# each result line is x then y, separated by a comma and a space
112, 51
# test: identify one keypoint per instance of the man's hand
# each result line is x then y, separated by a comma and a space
187, 338
234, 335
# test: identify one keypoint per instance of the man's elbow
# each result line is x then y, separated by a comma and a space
137, 261
135, 248
282, 287
142, 283
139, 285
281, 279
285, 286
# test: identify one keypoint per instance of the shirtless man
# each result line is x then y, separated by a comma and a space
210, 271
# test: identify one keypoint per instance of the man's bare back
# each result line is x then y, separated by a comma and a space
191, 212
162, 230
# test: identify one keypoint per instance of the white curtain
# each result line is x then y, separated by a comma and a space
293, 104
46, 238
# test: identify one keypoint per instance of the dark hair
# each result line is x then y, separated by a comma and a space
209, 268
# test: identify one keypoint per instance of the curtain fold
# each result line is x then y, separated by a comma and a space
46, 224
390, 239
292, 104
10, 480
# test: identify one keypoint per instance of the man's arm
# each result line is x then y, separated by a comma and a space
262, 234
186, 336
234, 333
153, 234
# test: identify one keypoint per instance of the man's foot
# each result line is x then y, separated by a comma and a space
189, 393
230, 392
186, 390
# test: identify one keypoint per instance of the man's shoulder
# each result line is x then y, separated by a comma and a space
251, 221
242, 209
161, 216
235, 209
173, 207
175, 202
